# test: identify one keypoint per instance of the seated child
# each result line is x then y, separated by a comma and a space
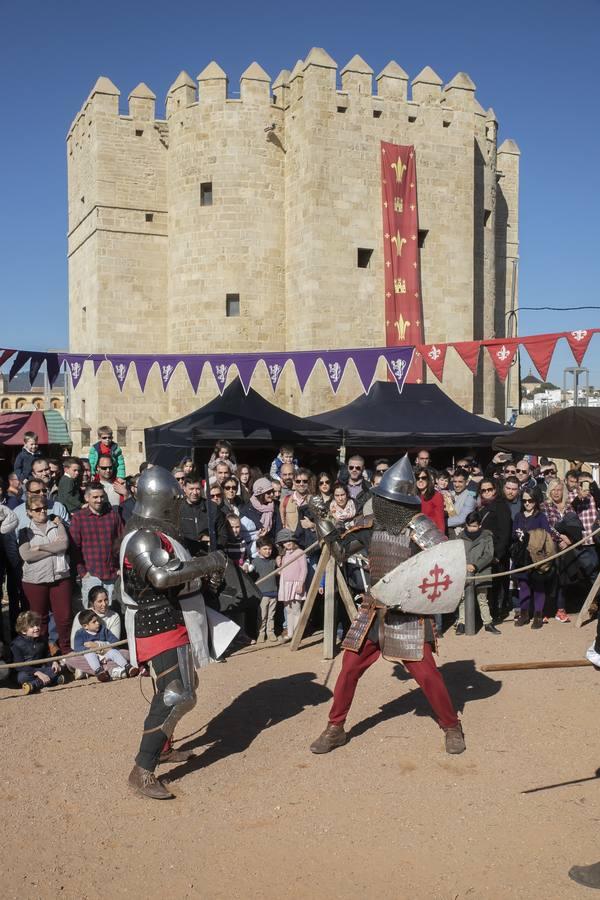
264, 564
27, 645
98, 601
92, 637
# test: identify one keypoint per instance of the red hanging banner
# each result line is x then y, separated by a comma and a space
435, 357
578, 342
469, 353
541, 350
403, 306
502, 354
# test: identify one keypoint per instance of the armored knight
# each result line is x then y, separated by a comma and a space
166, 619
399, 532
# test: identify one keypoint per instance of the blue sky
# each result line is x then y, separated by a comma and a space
534, 62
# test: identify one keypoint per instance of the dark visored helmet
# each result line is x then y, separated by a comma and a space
398, 484
158, 496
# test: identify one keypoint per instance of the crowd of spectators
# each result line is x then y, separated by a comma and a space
62, 521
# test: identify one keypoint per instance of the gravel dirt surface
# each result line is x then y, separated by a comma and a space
389, 815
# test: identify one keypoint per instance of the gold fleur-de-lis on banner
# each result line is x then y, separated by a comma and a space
402, 327
399, 168
399, 241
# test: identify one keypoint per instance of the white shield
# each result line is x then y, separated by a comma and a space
430, 582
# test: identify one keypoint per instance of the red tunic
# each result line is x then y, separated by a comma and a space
434, 510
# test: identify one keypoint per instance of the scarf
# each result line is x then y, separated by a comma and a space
266, 511
471, 535
342, 514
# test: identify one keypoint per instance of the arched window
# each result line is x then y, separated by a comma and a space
21, 403
6, 404
38, 403
56, 404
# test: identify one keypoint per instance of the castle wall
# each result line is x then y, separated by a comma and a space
295, 175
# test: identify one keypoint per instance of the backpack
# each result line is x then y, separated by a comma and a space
540, 547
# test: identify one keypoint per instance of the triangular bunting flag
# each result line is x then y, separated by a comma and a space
579, 342
142, 365
469, 353
97, 362
335, 364
541, 350
502, 354
366, 364
246, 366
5, 355
435, 357
74, 366
19, 361
275, 364
399, 360
166, 367
220, 368
304, 363
34, 365
53, 365
194, 366
120, 366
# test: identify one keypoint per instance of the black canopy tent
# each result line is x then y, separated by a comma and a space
249, 421
421, 416
572, 433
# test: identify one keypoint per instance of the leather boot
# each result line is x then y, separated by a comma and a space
175, 756
522, 620
455, 739
537, 620
333, 736
147, 784
588, 876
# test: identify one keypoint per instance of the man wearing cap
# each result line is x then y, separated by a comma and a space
400, 530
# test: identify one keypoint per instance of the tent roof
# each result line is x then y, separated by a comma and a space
13, 426
572, 433
421, 415
236, 417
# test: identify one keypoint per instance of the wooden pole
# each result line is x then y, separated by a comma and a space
588, 602
345, 594
310, 598
329, 610
547, 664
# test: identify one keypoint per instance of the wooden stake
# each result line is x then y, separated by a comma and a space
310, 598
588, 602
345, 594
548, 664
329, 610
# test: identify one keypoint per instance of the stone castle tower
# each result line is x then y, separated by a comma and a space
235, 224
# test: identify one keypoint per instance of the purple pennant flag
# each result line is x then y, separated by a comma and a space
142, 365
19, 361
246, 365
74, 366
366, 364
120, 366
97, 361
220, 366
194, 366
52, 367
398, 360
335, 364
167, 366
275, 363
35, 364
304, 363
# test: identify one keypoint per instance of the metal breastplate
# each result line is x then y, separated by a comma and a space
158, 611
387, 551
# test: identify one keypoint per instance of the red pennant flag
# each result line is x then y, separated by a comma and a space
4, 355
541, 350
579, 342
435, 357
469, 353
502, 353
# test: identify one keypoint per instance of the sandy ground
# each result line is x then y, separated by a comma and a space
389, 815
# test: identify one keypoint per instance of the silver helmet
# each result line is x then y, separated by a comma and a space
398, 484
158, 496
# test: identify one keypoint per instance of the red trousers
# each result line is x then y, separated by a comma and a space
56, 597
425, 672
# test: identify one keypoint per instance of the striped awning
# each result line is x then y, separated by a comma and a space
58, 433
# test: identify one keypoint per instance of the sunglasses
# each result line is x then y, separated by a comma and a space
356, 468
105, 468
38, 509
528, 500
301, 480
522, 471
549, 472
37, 491
380, 471
216, 496
325, 481
231, 487
421, 478
489, 490
510, 471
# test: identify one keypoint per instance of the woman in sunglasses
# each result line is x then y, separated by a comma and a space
532, 542
432, 501
321, 499
231, 500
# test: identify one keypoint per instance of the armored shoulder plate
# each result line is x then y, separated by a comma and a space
140, 549
424, 533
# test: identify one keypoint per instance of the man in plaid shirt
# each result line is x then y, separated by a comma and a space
585, 504
95, 534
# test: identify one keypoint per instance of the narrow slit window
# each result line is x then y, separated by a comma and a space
445, 123
412, 118
422, 237
232, 305
149, 217
341, 109
206, 193
487, 213
376, 113
363, 257
139, 132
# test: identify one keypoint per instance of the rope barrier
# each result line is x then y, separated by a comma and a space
533, 565
60, 657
